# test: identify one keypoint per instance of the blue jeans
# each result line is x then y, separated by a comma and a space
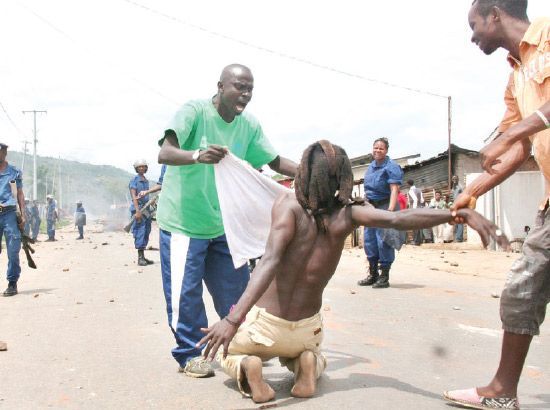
141, 231
9, 228
459, 233
50, 227
185, 264
80, 230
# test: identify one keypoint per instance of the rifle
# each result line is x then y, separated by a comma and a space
26, 241
146, 211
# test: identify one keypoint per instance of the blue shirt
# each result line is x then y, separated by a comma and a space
139, 185
379, 177
10, 173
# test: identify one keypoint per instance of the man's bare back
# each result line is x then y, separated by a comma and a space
308, 263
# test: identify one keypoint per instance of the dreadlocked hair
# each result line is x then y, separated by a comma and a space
324, 181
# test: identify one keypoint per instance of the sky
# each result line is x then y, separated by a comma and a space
112, 73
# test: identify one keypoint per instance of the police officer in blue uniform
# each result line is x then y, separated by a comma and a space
51, 217
8, 218
80, 219
141, 227
28, 218
35, 220
382, 180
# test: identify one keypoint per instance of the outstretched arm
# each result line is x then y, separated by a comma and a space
283, 228
507, 164
420, 218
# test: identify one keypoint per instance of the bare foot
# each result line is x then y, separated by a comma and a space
305, 382
260, 390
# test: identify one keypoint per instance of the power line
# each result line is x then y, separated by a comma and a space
281, 54
10, 120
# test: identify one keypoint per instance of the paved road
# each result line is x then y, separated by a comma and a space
88, 331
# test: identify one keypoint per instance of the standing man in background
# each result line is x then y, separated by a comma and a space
193, 246
526, 125
51, 217
438, 202
141, 228
35, 220
416, 200
28, 218
80, 219
457, 189
8, 218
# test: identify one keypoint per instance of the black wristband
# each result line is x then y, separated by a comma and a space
231, 322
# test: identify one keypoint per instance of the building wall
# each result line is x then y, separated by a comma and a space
427, 177
466, 164
513, 204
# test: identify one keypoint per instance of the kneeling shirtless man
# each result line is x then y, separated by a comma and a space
278, 314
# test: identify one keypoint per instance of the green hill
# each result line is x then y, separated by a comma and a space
97, 186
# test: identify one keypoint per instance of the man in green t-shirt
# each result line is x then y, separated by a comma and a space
193, 247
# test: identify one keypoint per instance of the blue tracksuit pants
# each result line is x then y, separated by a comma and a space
186, 263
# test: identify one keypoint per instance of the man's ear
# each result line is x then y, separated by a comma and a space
495, 13
220, 86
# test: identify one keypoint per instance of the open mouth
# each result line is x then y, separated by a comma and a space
240, 107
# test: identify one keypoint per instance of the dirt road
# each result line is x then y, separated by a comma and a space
89, 331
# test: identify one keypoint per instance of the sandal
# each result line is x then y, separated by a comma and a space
470, 399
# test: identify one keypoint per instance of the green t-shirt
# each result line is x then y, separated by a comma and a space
189, 200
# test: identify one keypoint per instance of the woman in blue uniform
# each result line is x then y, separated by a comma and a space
382, 180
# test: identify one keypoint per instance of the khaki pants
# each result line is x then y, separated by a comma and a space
267, 336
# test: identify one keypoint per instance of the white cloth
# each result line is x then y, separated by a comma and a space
246, 198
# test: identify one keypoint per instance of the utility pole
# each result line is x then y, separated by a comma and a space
34, 183
24, 155
60, 182
449, 123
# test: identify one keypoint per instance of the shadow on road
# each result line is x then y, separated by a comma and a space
283, 382
39, 290
407, 286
